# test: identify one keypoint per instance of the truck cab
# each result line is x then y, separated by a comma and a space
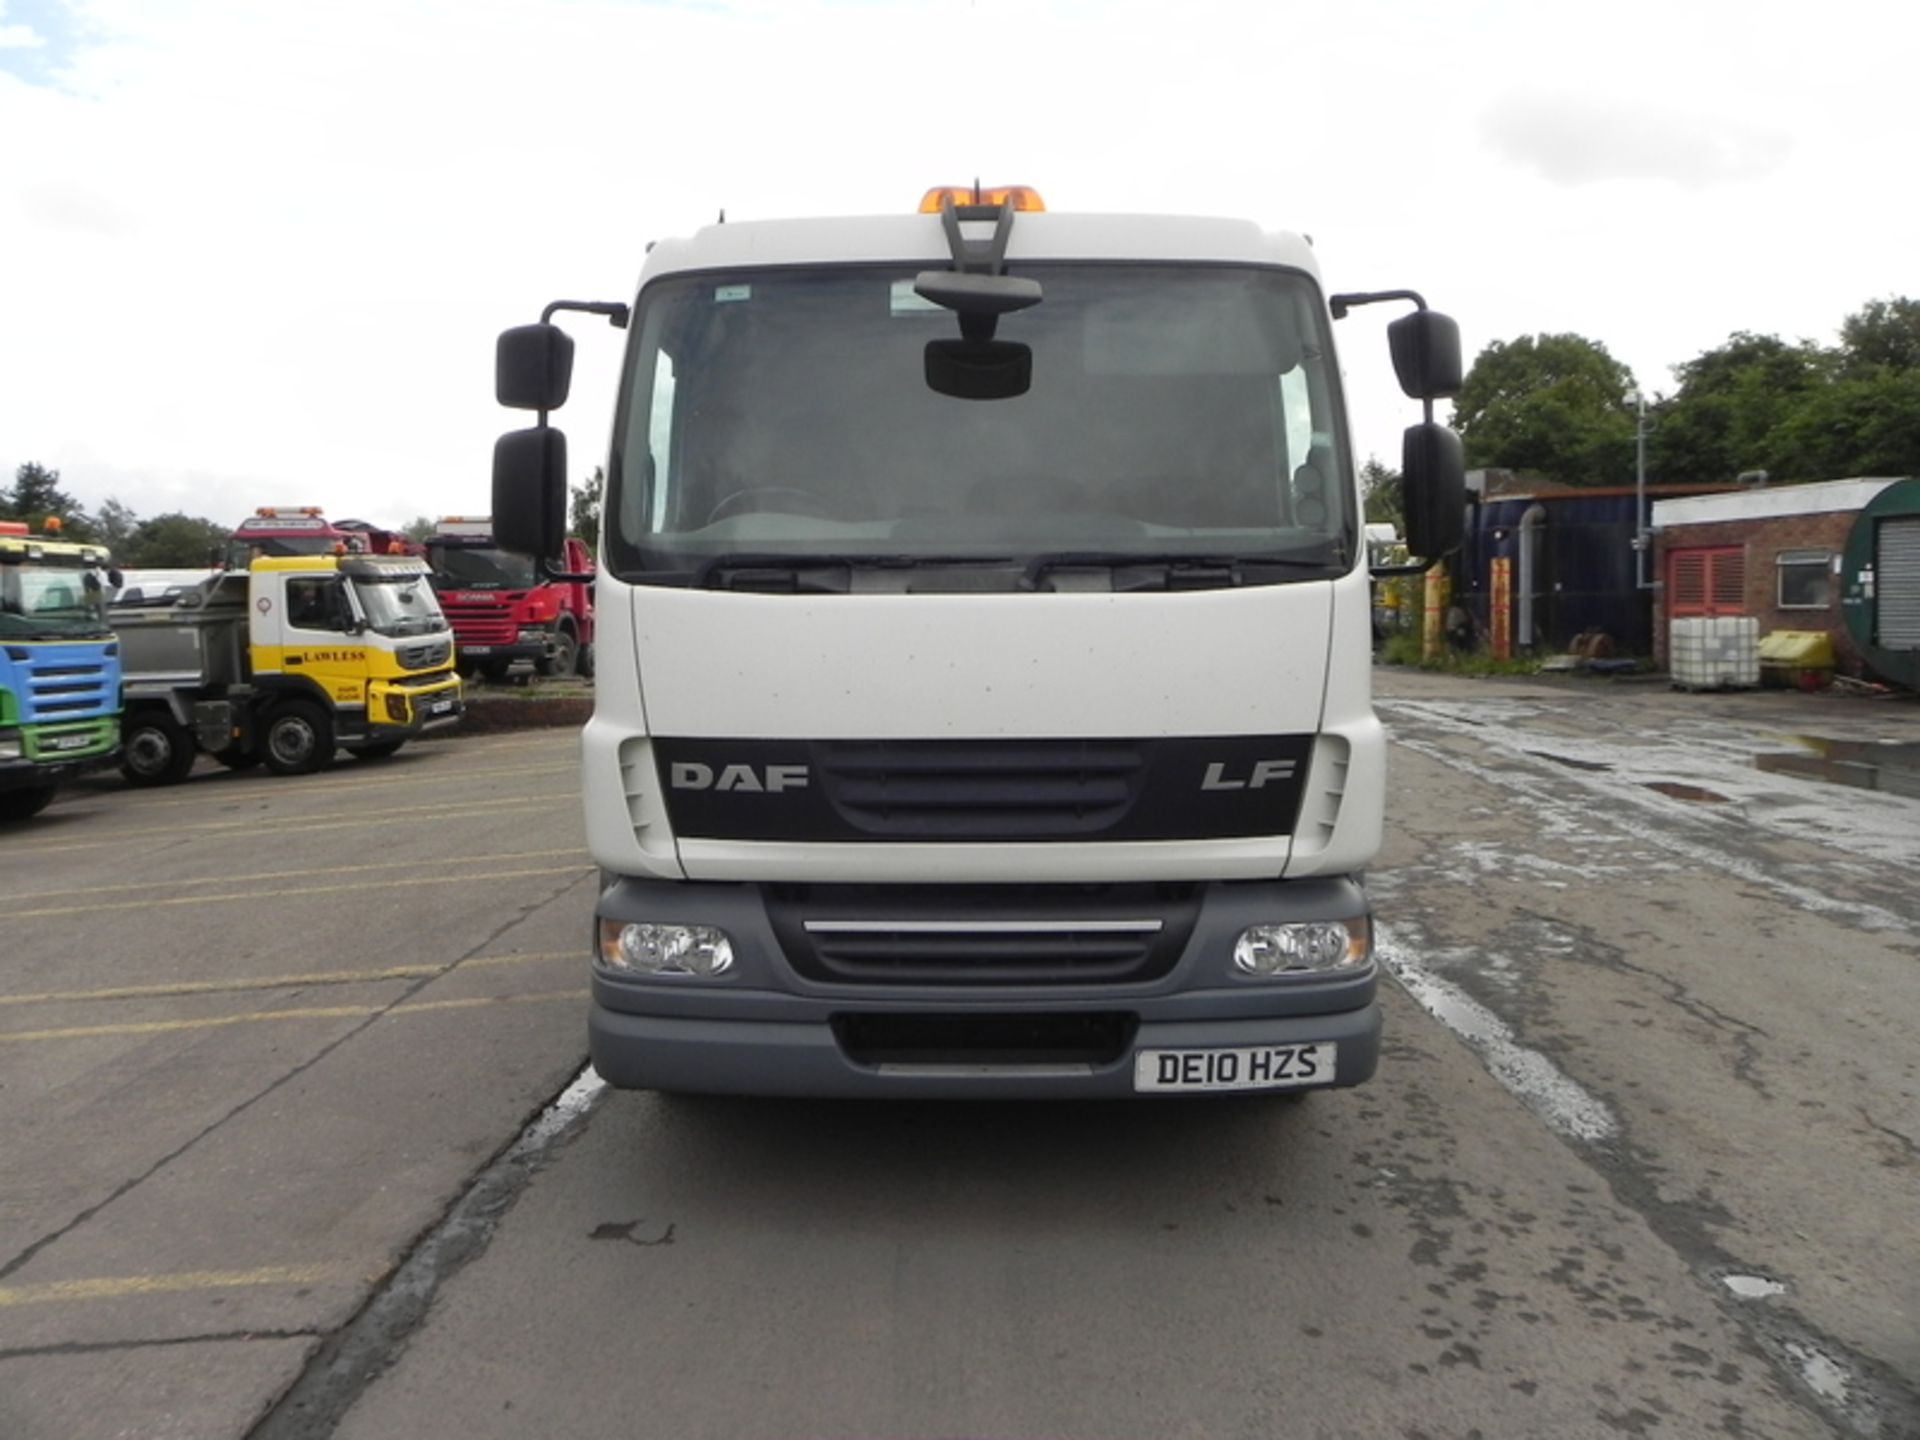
59, 667
285, 663
280, 530
984, 698
503, 607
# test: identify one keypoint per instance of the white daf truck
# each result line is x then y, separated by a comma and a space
984, 703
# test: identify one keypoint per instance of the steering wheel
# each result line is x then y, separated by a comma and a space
742, 500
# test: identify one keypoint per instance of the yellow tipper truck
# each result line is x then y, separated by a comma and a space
284, 663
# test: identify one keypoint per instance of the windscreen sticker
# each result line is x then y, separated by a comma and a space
903, 300
723, 294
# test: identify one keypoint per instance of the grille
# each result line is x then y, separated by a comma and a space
425, 655
939, 935
481, 622
1034, 789
60, 690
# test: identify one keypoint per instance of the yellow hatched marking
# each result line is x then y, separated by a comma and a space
281, 982
258, 1017
116, 1287
359, 888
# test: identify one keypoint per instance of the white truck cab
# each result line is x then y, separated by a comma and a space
984, 693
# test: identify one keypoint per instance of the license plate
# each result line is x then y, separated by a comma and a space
440, 707
477, 649
1246, 1067
66, 742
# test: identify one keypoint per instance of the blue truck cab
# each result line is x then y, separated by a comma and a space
59, 667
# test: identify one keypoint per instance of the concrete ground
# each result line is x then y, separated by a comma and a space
1640, 1158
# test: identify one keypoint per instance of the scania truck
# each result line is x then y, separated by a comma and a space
503, 609
59, 667
984, 702
286, 662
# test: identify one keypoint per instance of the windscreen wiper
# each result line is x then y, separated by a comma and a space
1178, 571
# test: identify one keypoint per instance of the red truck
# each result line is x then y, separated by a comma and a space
501, 608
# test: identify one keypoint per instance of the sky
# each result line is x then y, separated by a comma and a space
257, 252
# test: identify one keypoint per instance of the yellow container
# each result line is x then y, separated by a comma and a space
1797, 650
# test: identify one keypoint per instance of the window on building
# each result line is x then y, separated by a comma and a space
1708, 580
1804, 579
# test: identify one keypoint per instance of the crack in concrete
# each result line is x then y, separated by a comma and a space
107, 1347
356, 1354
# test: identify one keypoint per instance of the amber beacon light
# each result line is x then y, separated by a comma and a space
1024, 197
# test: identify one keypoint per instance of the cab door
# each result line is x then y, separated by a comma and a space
304, 626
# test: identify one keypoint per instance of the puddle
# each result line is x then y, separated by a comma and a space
1824, 1375
1753, 1287
1686, 792
1860, 764
1569, 760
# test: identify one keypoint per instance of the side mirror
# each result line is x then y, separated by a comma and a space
533, 367
530, 491
115, 578
1433, 480
1426, 354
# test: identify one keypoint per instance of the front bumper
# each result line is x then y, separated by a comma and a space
766, 1029
37, 774
397, 711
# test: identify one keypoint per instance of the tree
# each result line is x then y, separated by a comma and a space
1380, 489
1881, 333
1864, 424
1732, 400
36, 496
115, 525
584, 513
175, 541
420, 528
1554, 405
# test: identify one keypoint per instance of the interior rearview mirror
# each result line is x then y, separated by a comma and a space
979, 369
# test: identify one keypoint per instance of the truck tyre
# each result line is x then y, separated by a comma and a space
565, 655
378, 750
583, 662
155, 750
298, 739
25, 804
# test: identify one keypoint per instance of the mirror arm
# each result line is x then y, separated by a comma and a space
1417, 567
553, 572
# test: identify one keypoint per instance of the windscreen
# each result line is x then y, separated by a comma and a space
480, 567
1173, 410
50, 602
404, 605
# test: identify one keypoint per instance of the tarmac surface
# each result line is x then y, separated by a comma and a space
297, 1140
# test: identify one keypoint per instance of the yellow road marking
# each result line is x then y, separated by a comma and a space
283, 982
116, 1286
326, 820
273, 788
360, 887
258, 1017
388, 865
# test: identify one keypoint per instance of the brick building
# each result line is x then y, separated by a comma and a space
1772, 553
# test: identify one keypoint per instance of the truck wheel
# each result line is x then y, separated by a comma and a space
378, 750
155, 750
298, 739
566, 654
583, 663
25, 804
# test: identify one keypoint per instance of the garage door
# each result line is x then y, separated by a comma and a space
1896, 565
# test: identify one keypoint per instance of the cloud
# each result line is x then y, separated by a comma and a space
62, 206
20, 37
1574, 140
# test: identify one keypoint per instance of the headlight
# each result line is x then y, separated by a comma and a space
533, 637
653, 949
10, 747
397, 708
1303, 947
